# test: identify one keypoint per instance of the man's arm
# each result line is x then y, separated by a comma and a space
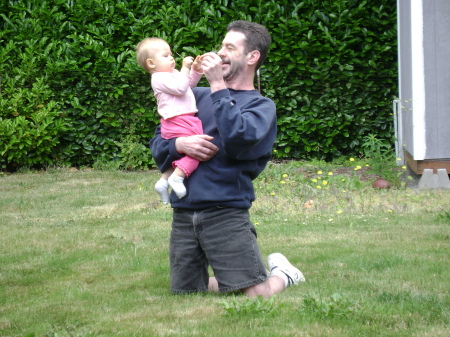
247, 132
198, 147
165, 151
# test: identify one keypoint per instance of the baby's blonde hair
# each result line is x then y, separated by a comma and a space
143, 52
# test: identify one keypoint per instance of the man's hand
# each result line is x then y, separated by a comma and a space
198, 147
212, 67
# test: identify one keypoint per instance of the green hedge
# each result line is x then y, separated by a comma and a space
72, 93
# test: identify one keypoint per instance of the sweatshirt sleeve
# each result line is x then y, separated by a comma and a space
247, 132
163, 151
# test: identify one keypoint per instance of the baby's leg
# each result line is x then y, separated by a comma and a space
176, 182
162, 186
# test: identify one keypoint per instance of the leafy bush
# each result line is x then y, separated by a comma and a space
331, 71
340, 80
30, 125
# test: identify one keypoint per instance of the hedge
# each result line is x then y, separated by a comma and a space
73, 94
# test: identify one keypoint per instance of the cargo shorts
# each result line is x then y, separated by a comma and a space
220, 237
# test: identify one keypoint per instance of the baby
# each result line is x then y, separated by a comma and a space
176, 105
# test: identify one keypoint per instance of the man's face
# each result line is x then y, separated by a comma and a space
232, 54
161, 56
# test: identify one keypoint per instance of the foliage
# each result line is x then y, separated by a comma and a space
340, 95
334, 306
331, 71
133, 154
381, 159
30, 125
239, 307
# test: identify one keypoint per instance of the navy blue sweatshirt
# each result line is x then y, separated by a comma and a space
243, 124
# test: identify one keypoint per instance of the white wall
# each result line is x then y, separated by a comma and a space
424, 77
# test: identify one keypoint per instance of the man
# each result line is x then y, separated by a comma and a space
211, 225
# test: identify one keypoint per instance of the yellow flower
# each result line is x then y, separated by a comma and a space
399, 159
275, 151
390, 211
342, 179
282, 182
314, 180
404, 167
272, 193
319, 172
352, 159
318, 186
330, 173
325, 182
357, 168
344, 191
285, 175
367, 165
339, 212
256, 223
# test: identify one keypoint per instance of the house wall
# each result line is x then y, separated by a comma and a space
424, 77
437, 77
405, 74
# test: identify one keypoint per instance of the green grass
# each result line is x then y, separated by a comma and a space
84, 253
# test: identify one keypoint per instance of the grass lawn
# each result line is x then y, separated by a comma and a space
85, 253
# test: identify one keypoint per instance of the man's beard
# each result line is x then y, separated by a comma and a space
233, 69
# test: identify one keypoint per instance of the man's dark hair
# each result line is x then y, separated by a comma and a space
257, 37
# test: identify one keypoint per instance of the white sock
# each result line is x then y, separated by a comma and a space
176, 182
162, 187
278, 272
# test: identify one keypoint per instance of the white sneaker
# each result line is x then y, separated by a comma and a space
279, 263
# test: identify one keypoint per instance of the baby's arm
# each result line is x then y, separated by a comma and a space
187, 64
196, 71
197, 65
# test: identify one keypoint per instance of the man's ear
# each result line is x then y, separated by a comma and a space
253, 57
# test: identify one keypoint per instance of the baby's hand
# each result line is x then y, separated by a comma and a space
198, 64
187, 62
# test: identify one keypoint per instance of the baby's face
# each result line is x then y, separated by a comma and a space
161, 55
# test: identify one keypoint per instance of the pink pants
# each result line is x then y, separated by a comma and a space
182, 126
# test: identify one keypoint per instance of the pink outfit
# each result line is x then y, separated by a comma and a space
176, 105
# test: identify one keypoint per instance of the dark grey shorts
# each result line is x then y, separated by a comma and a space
223, 238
